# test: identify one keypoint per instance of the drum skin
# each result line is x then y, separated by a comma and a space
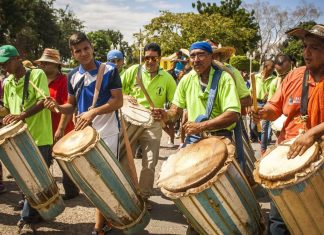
96, 171
300, 199
225, 204
23, 160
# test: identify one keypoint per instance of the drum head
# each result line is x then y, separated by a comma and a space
75, 142
12, 129
135, 113
193, 165
276, 165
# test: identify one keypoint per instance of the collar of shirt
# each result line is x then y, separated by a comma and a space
92, 72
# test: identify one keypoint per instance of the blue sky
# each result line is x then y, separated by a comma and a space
129, 16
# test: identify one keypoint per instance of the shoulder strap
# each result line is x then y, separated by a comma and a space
304, 98
213, 91
99, 78
25, 90
140, 83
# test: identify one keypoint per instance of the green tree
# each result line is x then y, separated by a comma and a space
179, 30
105, 40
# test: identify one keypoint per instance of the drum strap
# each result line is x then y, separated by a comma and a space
304, 98
99, 78
140, 83
25, 89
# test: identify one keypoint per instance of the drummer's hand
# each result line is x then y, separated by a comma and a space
58, 134
301, 144
51, 104
132, 100
192, 128
257, 115
12, 118
159, 114
85, 119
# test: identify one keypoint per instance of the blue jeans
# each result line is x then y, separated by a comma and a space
264, 134
29, 214
276, 225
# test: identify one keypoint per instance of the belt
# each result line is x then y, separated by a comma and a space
223, 132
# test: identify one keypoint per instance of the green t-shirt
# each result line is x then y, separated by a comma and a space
263, 86
190, 96
40, 124
161, 88
242, 90
272, 87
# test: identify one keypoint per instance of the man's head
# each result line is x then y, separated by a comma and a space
116, 57
268, 68
50, 61
9, 59
313, 40
179, 54
152, 56
200, 54
283, 64
81, 48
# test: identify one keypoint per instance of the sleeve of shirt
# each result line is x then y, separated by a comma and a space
69, 83
38, 77
227, 94
276, 101
272, 88
115, 82
242, 90
6, 95
63, 90
126, 79
179, 98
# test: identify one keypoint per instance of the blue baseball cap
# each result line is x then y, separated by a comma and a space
115, 54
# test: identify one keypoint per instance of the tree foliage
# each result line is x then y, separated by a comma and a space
105, 40
242, 63
179, 30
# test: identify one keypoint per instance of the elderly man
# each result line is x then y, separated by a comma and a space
160, 87
292, 102
192, 94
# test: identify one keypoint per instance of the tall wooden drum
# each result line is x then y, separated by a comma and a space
95, 170
207, 185
296, 187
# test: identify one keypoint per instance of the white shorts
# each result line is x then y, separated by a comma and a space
112, 141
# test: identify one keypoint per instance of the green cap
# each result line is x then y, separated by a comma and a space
7, 51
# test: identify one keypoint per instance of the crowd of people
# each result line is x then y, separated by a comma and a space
203, 93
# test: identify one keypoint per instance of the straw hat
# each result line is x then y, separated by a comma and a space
28, 64
49, 55
316, 30
225, 52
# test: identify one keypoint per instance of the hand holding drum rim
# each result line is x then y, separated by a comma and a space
300, 145
85, 119
192, 128
12, 118
159, 114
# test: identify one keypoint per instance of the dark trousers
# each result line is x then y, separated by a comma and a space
29, 214
276, 225
70, 189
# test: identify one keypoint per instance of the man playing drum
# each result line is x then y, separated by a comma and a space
303, 113
24, 103
160, 87
81, 91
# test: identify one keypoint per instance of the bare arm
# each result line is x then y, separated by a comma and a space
64, 120
265, 113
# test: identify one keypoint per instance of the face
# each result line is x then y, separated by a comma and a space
10, 66
314, 53
201, 60
48, 67
118, 62
152, 61
268, 67
283, 67
83, 52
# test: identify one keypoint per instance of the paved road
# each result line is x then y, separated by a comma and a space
78, 217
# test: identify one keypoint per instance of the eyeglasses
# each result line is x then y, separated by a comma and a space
153, 58
199, 56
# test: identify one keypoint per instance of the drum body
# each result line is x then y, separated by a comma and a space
222, 202
299, 195
137, 118
25, 163
94, 168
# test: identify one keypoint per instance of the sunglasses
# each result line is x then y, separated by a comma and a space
153, 58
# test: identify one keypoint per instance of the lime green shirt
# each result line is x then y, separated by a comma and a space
190, 96
242, 90
40, 124
263, 86
161, 88
272, 87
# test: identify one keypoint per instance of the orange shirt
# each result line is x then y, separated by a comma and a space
287, 101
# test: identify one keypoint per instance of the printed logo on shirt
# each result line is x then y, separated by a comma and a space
159, 91
294, 100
